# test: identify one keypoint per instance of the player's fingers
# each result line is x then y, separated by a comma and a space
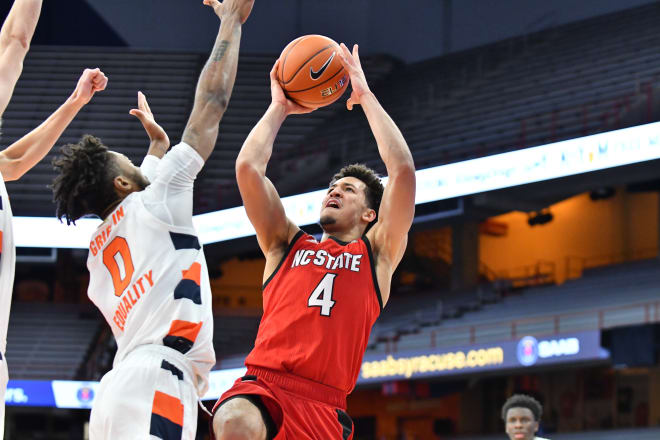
215, 4
146, 105
138, 113
356, 55
142, 101
349, 103
273, 71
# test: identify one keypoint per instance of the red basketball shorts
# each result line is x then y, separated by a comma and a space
300, 409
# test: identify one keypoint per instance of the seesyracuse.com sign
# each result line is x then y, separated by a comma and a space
528, 351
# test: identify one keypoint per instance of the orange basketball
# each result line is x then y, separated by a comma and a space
310, 71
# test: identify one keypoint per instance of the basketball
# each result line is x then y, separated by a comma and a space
310, 71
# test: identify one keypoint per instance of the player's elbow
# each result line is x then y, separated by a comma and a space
12, 169
404, 170
18, 40
215, 103
245, 168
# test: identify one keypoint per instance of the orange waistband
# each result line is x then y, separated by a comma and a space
301, 386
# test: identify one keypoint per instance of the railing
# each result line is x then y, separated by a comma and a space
553, 324
575, 265
539, 273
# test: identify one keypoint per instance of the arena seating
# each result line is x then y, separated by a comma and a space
557, 84
168, 79
234, 334
577, 303
49, 341
50, 75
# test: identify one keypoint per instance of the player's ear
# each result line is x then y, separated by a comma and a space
369, 215
123, 185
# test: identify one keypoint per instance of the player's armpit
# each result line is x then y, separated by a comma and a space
264, 208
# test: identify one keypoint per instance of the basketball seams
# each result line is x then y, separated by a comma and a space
281, 79
320, 51
341, 69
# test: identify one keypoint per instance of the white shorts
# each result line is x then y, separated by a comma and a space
149, 395
4, 379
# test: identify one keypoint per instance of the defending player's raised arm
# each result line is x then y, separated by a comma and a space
23, 154
262, 203
397, 208
15, 37
159, 142
217, 78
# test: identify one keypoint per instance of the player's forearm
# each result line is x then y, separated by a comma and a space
217, 78
20, 23
258, 147
158, 148
392, 146
25, 153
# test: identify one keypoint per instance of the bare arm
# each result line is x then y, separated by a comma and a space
159, 142
262, 203
15, 37
217, 78
22, 155
397, 209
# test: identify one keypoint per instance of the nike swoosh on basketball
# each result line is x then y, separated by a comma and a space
317, 75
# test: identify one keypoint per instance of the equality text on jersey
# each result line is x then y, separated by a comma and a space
321, 257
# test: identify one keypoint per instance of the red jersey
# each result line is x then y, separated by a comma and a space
319, 307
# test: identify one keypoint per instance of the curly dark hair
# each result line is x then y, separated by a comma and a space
523, 401
84, 184
374, 190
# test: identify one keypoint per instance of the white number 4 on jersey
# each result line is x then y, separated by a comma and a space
322, 295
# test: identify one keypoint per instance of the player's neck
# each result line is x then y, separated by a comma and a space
345, 237
111, 207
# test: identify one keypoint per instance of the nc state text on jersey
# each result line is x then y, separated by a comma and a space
321, 257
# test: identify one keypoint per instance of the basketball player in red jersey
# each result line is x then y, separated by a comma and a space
320, 298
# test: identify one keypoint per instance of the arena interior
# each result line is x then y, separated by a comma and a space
532, 264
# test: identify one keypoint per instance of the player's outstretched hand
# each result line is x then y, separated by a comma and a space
279, 98
146, 117
90, 82
352, 64
240, 7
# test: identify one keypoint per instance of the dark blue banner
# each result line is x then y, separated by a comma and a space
30, 393
525, 352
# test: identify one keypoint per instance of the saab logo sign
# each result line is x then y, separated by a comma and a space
529, 350
85, 394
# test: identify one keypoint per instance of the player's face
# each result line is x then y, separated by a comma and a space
344, 205
132, 173
520, 424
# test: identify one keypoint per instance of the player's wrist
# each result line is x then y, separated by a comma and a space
365, 94
278, 110
77, 100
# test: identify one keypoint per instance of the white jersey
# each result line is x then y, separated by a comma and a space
7, 262
148, 273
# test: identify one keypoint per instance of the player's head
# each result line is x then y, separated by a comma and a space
521, 414
353, 198
92, 179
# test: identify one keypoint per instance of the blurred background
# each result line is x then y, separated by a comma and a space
548, 287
